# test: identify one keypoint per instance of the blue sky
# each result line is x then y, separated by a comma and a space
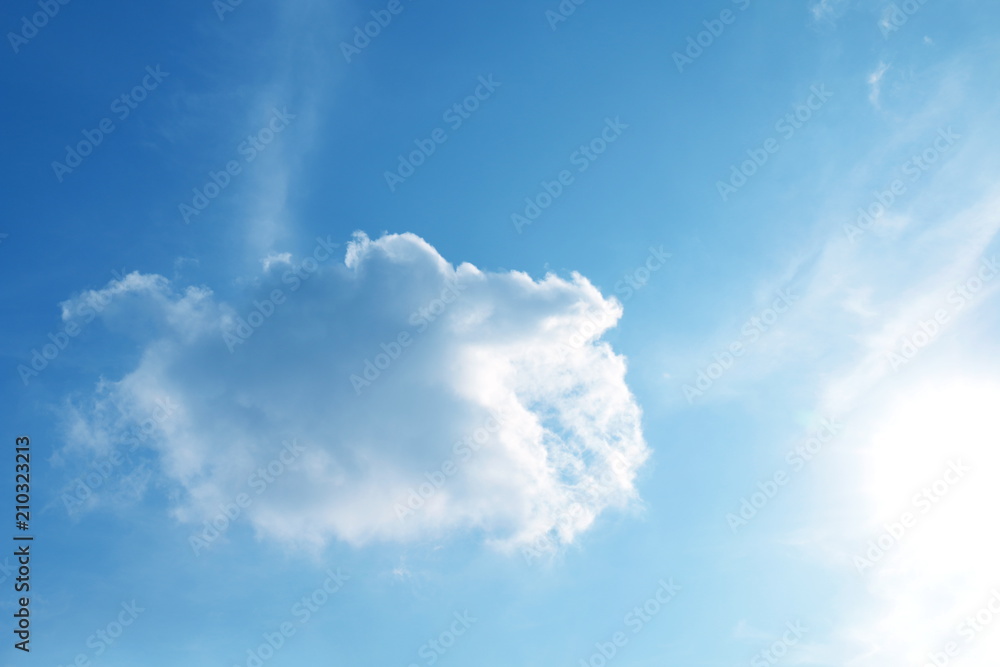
505, 335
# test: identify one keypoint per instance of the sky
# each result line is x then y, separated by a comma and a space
579, 333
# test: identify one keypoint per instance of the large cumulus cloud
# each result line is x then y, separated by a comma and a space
422, 399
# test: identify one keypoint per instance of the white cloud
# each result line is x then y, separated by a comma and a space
825, 9
480, 345
875, 84
915, 393
274, 258
928, 471
864, 298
